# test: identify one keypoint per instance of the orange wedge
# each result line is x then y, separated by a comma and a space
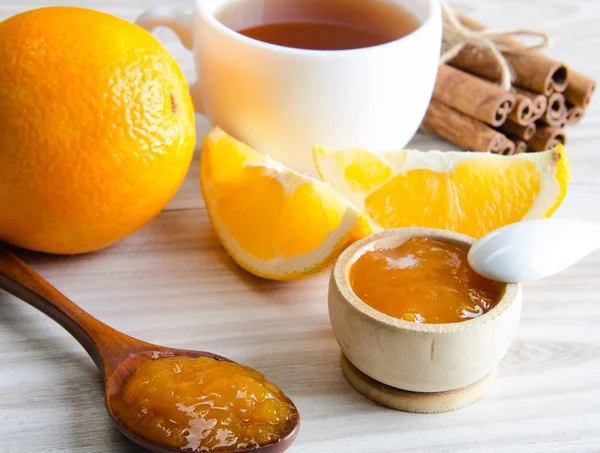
470, 193
274, 222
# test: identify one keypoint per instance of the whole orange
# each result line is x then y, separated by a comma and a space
96, 129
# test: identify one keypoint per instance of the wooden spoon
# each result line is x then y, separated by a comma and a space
116, 355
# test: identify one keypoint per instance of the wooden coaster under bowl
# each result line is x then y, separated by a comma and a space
418, 402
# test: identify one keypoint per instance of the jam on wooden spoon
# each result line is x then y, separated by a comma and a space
166, 399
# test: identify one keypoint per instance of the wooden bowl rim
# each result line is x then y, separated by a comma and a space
398, 236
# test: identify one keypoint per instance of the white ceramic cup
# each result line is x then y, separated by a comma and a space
282, 101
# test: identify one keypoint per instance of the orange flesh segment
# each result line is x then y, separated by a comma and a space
447, 200
268, 223
366, 171
425, 281
225, 166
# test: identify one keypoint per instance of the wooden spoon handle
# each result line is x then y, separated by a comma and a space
105, 345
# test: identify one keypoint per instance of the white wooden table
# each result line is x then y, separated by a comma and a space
171, 283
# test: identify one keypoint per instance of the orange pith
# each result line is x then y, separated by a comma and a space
433, 192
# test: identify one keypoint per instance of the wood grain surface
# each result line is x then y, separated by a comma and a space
171, 283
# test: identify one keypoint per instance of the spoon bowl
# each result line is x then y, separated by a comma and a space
116, 354
533, 249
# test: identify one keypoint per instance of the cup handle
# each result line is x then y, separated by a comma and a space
181, 23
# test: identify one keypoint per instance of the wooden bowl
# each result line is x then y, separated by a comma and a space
411, 356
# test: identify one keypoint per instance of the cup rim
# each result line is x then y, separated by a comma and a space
209, 16
353, 252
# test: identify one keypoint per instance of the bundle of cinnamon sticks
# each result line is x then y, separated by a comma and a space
470, 109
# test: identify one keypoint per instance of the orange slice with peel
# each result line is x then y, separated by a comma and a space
274, 222
471, 193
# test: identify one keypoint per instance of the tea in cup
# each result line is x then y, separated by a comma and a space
284, 75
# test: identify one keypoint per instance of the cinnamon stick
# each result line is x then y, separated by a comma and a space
463, 130
531, 70
547, 137
580, 89
524, 110
556, 112
473, 96
522, 132
508, 148
574, 114
540, 102
520, 145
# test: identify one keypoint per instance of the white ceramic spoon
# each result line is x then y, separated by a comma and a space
533, 249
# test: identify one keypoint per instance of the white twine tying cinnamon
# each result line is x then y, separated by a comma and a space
496, 42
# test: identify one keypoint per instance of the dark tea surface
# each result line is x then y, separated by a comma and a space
320, 24
315, 35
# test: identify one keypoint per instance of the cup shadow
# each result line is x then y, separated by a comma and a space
192, 231
272, 291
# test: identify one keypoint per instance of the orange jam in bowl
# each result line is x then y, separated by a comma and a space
202, 405
423, 280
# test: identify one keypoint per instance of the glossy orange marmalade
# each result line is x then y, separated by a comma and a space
202, 404
423, 280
